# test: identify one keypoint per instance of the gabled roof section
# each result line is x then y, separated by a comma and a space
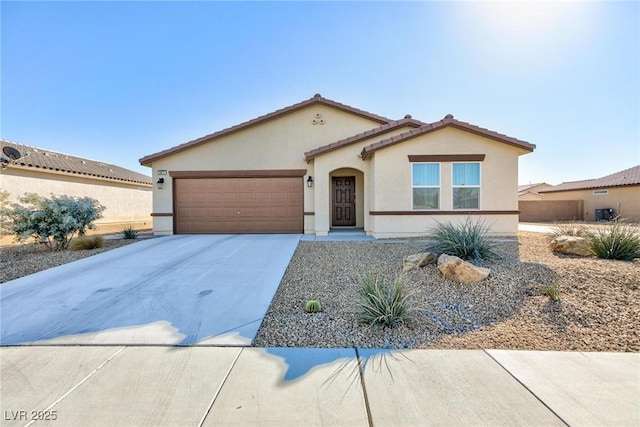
316, 100
523, 189
47, 160
448, 121
623, 178
388, 127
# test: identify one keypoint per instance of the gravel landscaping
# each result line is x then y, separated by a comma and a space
598, 311
24, 259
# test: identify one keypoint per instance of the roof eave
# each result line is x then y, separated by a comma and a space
317, 99
387, 127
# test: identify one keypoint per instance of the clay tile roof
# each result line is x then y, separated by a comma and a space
47, 160
447, 121
407, 121
316, 99
523, 189
629, 176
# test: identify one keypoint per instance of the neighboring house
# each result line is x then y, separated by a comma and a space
619, 191
531, 191
319, 165
126, 194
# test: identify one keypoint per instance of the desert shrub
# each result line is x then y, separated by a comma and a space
129, 233
467, 241
383, 302
51, 221
312, 306
552, 291
617, 241
86, 242
570, 229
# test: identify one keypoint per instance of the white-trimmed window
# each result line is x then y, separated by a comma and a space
466, 185
425, 185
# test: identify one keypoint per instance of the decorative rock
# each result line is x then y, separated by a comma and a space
417, 260
570, 245
458, 270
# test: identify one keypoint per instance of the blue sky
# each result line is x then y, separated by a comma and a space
115, 81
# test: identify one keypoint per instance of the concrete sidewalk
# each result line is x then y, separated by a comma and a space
244, 386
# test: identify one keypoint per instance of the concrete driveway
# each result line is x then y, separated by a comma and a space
172, 290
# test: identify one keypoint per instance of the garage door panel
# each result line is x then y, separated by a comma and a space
265, 205
278, 198
215, 199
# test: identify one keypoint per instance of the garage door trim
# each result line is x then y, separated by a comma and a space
260, 173
241, 175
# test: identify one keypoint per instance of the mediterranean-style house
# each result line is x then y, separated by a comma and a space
612, 196
319, 165
125, 194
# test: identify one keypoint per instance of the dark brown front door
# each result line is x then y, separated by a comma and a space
344, 200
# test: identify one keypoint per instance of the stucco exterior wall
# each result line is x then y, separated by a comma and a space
625, 201
277, 144
387, 226
124, 202
383, 180
498, 171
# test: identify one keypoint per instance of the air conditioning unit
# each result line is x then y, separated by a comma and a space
604, 214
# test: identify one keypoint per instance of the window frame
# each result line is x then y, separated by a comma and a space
454, 186
439, 186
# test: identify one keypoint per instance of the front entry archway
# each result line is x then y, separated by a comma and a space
343, 190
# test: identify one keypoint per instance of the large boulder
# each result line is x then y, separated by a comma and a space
417, 260
570, 245
459, 270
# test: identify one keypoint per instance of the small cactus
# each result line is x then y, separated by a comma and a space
312, 306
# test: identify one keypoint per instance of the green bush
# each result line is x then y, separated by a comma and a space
86, 242
51, 221
129, 233
382, 302
467, 241
617, 241
312, 306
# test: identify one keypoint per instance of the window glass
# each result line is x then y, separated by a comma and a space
466, 198
466, 174
425, 185
426, 198
466, 186
426, 174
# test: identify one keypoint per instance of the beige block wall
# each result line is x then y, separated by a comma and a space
624, 200
124, 202
276, 144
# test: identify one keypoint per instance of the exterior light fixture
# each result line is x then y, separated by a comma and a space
310, 182
160, 183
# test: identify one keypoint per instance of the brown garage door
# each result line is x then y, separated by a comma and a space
238, 205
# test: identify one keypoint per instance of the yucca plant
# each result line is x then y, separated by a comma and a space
87, 242
129, 233
617, 241
467, 241
383, 302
